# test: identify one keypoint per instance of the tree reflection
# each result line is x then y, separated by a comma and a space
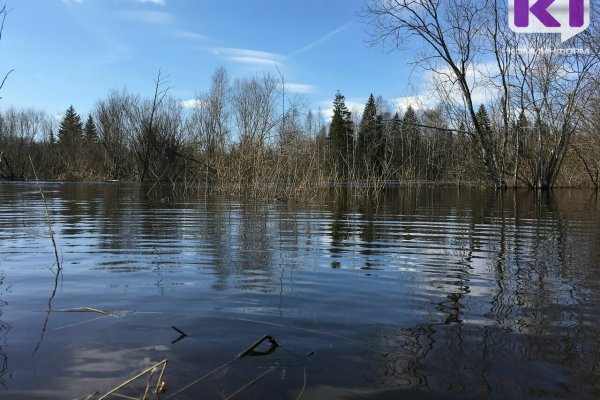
514, 293
4, 329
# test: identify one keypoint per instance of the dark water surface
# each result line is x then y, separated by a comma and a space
425, 293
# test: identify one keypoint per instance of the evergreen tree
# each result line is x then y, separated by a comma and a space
51, 137
522, 125
70, 132
341, 135
411, 134
484, 120
367, 132
463, 153
397, 144
90, 131
379, 143
410, 122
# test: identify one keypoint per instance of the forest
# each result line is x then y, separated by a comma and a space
537, 128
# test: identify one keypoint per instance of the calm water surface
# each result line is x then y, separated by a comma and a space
423, 293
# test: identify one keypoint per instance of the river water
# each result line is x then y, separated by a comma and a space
424, 293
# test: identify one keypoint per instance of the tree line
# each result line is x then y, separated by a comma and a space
242, 135
538, 130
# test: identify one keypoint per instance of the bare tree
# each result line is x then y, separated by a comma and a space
468, 45
209, 122
3, 14
453, 37
219, 113
20, 131
146, 140
254, 112
115, 121
253, 102
557, 89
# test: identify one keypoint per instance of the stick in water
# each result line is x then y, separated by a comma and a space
47, 214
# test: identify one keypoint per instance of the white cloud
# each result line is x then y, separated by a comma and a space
147, 16
355, 106
248, 56
299, 87
418, 102
191, 103
440, 87
482, 89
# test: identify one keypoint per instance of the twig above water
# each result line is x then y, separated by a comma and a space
251, 350
86, 309
159, 385
317, 331
47, 214
182, 334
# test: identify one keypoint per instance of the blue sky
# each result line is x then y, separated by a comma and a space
75, 51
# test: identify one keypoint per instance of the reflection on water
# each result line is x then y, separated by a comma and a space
424, 292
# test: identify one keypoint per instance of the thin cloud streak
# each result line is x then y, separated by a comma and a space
248, 56
322, 39
299, 87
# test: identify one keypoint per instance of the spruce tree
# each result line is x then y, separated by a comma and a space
90, 131
412, 136
367, 132
484, 120
70, 132
341, 135
410, 122
397, 141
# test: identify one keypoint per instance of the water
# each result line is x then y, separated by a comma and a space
425, 293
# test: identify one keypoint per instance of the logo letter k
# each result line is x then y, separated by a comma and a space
539, 9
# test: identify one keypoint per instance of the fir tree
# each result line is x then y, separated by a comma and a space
51, 137
70, 132
367, 131
411, 134
90, 131
341, 135
410, 122
484, 121
396, 143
